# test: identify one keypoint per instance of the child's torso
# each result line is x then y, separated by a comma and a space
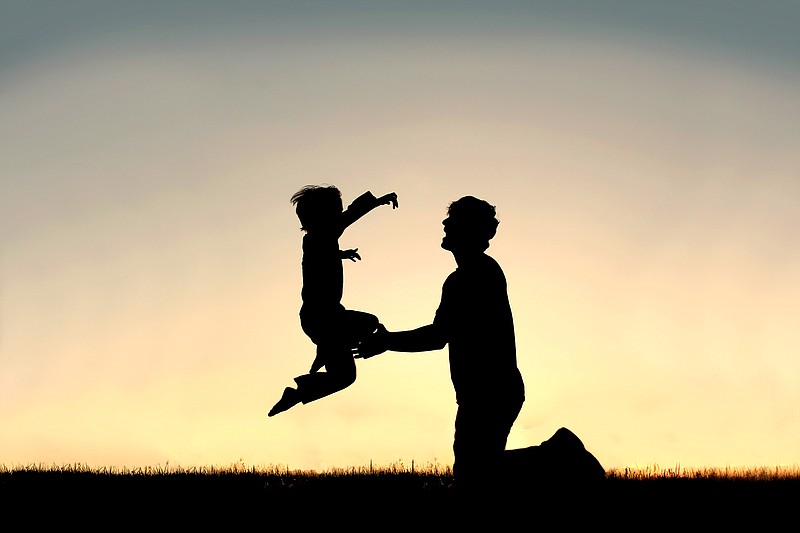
323, 275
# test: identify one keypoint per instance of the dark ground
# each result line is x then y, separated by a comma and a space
389, 502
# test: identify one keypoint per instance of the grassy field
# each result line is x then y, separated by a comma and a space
422, 497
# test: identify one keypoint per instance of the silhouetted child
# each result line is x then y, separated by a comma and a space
336, 331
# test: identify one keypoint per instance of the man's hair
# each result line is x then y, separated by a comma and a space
479, 214
313, 202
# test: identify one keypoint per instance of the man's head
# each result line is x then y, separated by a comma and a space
469, 226
317, 206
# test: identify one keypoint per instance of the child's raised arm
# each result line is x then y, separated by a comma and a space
363, 205
388, 198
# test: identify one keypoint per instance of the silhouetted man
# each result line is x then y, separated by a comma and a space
474, 319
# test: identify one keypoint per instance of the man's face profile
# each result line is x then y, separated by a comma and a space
456, 233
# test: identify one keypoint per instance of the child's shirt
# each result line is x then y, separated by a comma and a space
323, 275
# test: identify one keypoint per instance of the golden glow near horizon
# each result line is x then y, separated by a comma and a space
645, 176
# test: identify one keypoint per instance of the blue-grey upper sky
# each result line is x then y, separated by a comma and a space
756, 31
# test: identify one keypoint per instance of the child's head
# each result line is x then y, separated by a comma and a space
317, 205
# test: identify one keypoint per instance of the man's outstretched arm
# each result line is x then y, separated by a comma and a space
422, 339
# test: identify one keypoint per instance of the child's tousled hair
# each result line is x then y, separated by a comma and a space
313, 202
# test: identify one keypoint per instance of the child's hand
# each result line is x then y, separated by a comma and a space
387, 199
352, 255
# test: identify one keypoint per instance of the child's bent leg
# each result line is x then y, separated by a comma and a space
358, 324
340, 373
319, 362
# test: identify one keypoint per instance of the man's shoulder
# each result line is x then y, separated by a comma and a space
452, 278
490, 261
486, 265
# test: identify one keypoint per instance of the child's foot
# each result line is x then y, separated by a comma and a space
290, 398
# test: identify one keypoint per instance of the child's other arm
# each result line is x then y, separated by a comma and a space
352, 254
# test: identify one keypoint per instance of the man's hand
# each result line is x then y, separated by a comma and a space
375, 344
390, 198
352, 255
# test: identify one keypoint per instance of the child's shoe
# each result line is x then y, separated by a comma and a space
290, 398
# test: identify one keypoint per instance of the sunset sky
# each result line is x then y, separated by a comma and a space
644, 158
